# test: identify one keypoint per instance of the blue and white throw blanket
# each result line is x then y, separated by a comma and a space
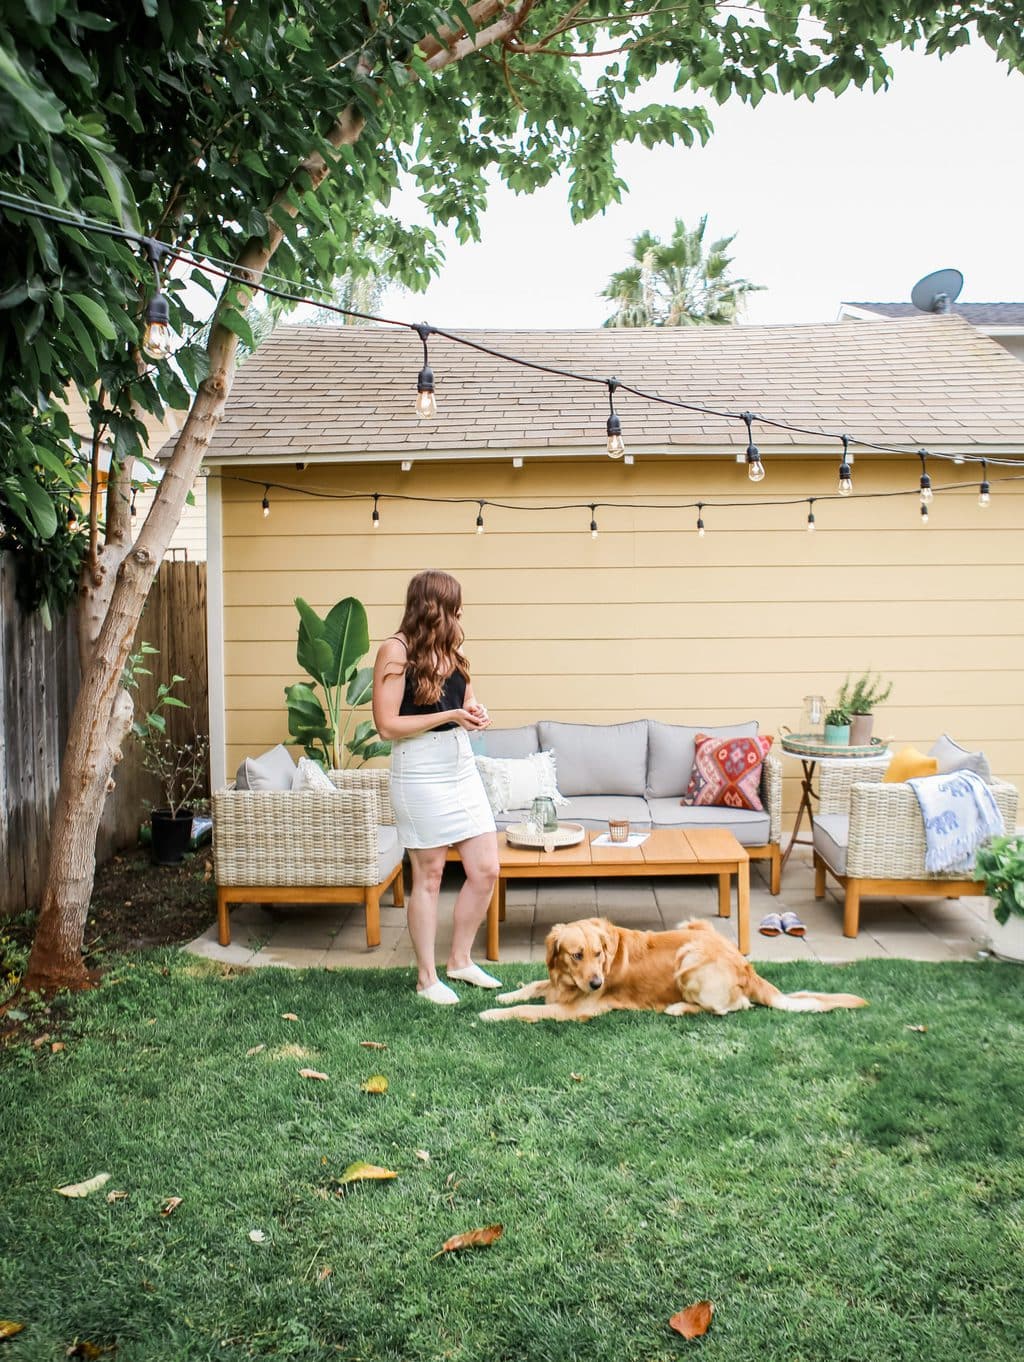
959, 814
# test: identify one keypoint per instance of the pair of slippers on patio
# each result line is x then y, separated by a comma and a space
776, 923
439, 992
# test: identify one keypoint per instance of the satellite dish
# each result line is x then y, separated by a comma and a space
937, 292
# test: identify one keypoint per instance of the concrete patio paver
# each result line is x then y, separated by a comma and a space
334, 938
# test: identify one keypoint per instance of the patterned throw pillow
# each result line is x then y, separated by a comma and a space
727, 772
310, 775
515, 782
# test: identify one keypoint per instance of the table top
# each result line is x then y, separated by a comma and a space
664, 846
813, 748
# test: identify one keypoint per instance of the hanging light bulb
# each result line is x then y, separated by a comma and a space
755, 468
375, 517
157, 338
426, 402
924, 513
810, 515
700, 520
983, 490
593, 521
266, 501
72, 519
616, 448
132, 507
480, 518
926, 482
845, 472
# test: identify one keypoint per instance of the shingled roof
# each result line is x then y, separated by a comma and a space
347, 393
978, 314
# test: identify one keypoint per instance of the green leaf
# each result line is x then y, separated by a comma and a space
95, 314
41, 106
234, 321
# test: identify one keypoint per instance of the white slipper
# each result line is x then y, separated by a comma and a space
473, 974
437, 992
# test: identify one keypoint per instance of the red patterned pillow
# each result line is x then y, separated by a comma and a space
727, 772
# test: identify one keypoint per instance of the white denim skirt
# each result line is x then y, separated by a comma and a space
436, 790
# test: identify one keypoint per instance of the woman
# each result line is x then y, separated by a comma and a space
423, 702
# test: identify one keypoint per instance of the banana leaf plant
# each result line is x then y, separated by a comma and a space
331, 651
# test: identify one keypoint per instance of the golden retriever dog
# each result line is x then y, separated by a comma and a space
596, 967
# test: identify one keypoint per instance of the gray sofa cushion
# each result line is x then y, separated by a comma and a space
274, 770
597, 759
952, 757
749, 827
832, 838
670, 752
507, 742
389, 850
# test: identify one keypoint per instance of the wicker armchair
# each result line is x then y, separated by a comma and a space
870, 837
311, 846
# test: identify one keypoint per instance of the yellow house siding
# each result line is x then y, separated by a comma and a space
648, 619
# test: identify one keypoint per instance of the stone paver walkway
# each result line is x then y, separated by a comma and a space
908, 929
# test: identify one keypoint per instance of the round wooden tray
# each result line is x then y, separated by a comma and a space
565, 835
811, 745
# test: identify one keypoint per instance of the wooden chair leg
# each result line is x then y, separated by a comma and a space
373, 916
776, 883
398, 889
724, 894
501, 900
223, 918
851, 910
819, 877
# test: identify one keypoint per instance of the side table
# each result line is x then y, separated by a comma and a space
809, 760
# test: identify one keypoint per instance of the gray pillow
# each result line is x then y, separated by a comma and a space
273, 770
597, 758
952, 757
507, 742
671, 749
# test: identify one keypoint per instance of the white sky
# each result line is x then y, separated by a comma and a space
849, 198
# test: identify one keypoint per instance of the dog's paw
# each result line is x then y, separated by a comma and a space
507, 997
493, 1014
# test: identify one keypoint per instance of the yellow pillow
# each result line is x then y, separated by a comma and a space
907, 763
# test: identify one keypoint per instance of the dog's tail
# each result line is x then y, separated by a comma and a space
761, 991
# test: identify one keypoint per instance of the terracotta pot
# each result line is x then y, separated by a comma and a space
860, 729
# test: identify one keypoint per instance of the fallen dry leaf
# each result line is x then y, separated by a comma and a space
254, 1050
576, 1078
366, 1172
324, 1273
289, 1016
8, 1328
917, 1028
378, 1083
313, 1073
471, 1239
693, 1322
56, 1047
90, 1351
76, 1189
40, 1040
257, 1236
117, 1196
423, 1155
171, 1204
373, 1045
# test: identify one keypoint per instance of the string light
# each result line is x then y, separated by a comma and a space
593, 520
983, 489
266, 501
480, 518
132, 507
810, 515
755, 468
157, 338
924, 513
72, 520
375, 517
407, 465
700, 520
845, 474
616, 448
926, 482
426, 402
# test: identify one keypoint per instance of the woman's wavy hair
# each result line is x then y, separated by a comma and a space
432, 633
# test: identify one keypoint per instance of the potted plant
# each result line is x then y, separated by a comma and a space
859, 699
1000, 864
837, 727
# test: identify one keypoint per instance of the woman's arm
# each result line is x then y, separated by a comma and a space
388, 689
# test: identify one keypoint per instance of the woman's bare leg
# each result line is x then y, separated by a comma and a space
480, 862
427, 869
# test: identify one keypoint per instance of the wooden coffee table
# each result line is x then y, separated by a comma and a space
667, 851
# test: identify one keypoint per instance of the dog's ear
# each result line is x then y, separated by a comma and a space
608, 937
553, 944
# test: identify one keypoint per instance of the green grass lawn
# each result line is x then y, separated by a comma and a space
842, 1187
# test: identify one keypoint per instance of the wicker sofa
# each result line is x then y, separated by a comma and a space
310, 846
639, 770
870, 837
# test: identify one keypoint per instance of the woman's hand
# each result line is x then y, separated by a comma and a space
473, 717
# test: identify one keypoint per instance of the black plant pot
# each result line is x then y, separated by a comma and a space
171, 835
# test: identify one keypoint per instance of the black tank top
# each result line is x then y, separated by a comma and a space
453, 696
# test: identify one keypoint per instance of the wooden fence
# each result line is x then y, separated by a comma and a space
39, 677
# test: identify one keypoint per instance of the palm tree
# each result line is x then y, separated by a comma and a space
675, 283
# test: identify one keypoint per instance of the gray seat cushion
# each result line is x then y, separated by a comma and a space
670, 752
507, 742
831, 839
591, 758
952, 757
389, 850
750, 827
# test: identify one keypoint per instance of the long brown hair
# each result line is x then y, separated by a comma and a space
432, 633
